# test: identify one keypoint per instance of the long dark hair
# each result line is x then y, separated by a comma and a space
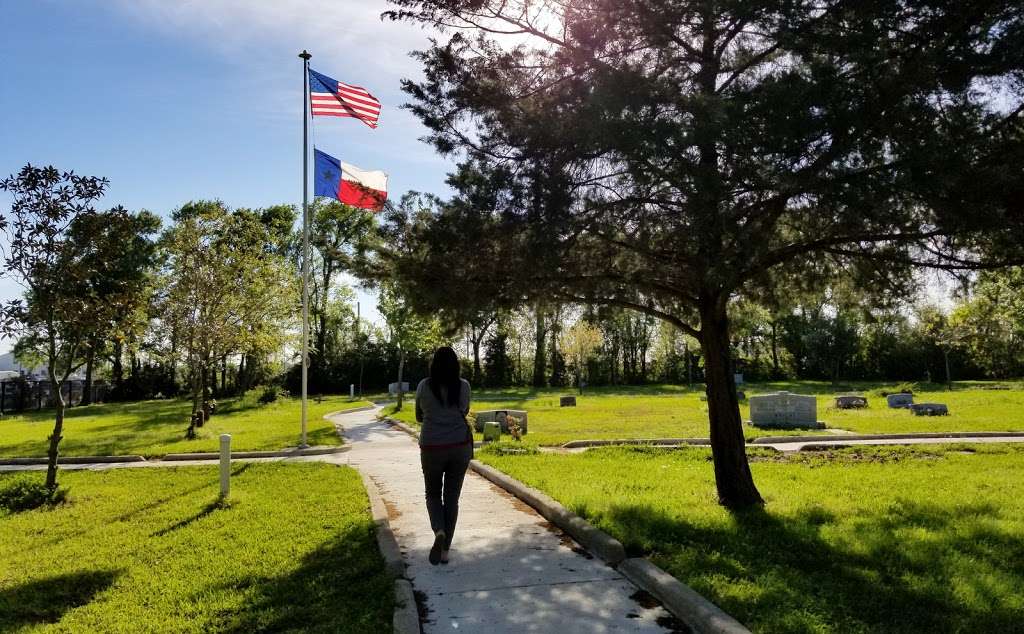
444, 372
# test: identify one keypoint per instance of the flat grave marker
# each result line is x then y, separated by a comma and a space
900, 401
930, 409
851, 401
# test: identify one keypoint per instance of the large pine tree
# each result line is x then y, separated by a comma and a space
667, 155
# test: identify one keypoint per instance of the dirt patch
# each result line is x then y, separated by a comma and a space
565, 539
421, 606
647, 601
516, 503
569, 543
850, 454
674, 625
393, 512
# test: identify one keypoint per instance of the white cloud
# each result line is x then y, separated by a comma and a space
346, 31
347, 38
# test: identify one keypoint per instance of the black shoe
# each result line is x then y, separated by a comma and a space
435, 550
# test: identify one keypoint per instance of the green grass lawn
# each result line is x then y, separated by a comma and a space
887, 539
155, 428
150, 550
675, 412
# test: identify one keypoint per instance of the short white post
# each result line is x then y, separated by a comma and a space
352, 391
225, 464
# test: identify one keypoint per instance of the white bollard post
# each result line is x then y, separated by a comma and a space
352, 391
225, 464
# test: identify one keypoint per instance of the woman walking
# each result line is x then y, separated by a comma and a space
446, 445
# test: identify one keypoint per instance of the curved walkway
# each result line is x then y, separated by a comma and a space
511, 571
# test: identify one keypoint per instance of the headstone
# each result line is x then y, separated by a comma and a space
500, 416
393, 387
930, 409
784, 409
851, 401
492, 431
567, 401
738, 378
900, 401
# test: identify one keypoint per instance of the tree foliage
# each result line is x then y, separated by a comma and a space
989, 327
666, 156
222, 291
77, 283
578, 343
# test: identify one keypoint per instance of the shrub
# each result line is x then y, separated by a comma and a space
899, 388
270, 394
24, 493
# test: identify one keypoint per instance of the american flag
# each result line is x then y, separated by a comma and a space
332, 98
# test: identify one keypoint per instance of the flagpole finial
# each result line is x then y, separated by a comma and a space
305, 55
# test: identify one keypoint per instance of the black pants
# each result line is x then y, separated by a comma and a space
443, 473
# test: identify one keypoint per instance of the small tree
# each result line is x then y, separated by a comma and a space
337, 233
407, 330
49, 231
119, 255
222, 291
578, 343
990, 325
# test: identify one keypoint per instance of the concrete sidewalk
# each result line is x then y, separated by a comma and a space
510, 570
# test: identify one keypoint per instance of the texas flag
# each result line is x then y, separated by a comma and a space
367, 189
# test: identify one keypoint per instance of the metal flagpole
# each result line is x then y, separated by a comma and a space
359, 342
305, 237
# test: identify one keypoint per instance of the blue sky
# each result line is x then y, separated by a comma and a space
181, 100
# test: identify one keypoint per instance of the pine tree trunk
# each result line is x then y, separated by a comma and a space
539, 363
240, 377
401, 367
117, 370
775, 350
477, 370
90, 359
733, 479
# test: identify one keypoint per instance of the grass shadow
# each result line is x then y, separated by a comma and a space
216, 505
47, 600
904, 573
339, 587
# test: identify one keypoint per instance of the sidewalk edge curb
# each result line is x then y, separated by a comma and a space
72, 460
680, 599
386, 540
314, 451
609, 549
406, 619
